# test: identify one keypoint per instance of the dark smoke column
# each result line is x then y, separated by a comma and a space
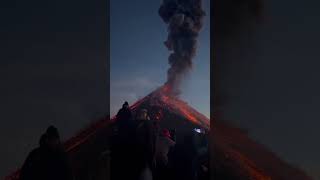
185, 20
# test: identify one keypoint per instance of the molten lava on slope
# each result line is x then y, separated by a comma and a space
233, 155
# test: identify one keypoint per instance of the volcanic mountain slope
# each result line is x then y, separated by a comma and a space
233, 155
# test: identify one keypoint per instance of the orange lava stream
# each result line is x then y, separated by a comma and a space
181, 107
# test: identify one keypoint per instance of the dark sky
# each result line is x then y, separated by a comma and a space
53, 70
269, 80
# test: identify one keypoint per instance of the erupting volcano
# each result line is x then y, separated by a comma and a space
185, 20
233, 154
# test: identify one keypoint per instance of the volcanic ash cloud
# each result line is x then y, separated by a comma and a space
185, 20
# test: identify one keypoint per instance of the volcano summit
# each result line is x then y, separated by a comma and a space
233, 155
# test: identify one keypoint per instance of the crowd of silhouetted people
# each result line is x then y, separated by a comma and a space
140, 150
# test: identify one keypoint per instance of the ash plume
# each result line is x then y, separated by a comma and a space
185, 20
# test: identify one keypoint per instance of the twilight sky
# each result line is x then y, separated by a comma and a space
139, 59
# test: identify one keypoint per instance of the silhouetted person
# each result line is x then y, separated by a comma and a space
122, 144
199, 156
124, 124
187, 157
144, 145
124, 114
202, 156
163, 146
48, 161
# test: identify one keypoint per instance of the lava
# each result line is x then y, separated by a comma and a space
163, 98
233, 150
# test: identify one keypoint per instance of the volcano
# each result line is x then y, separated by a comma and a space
233, 155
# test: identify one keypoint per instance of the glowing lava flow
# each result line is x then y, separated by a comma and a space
163, 98
233, 149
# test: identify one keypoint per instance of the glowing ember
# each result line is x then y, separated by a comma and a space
164, 99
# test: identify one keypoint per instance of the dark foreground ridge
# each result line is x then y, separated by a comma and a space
233, 155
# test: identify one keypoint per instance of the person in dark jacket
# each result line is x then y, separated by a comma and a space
124, 124
164, 144
47, 162
144, 145
121, 154
191, 155
124, 114
200, 153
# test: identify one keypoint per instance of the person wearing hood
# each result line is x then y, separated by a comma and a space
47, 162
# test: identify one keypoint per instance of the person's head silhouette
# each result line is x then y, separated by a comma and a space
125, 105
52, 137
